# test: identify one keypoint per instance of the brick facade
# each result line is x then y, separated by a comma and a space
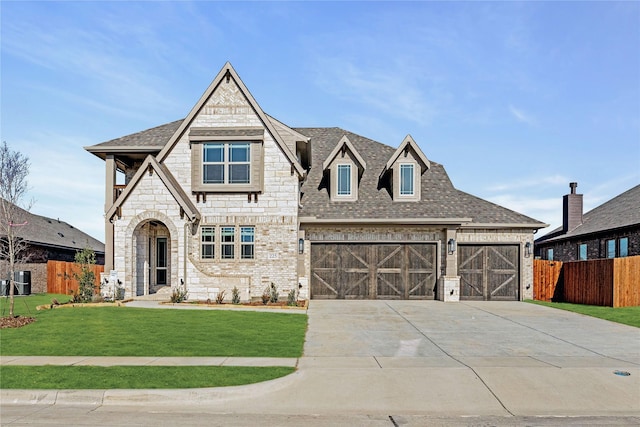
567, 250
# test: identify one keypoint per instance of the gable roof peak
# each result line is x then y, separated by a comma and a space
343, 145
226, 74
409, 144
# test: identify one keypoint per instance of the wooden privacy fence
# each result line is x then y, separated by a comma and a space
61, 276
546, 279
612, 282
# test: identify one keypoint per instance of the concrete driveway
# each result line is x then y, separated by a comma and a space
471, 358
417, 362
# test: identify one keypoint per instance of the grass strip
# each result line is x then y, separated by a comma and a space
134, 377
625, 315
127, 331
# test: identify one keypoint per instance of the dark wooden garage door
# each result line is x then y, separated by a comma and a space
370, 271
489, 272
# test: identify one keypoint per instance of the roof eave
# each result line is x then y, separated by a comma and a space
376, 221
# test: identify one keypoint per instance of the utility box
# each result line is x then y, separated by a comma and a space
22, 282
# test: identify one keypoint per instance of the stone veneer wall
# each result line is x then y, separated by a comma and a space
274, 215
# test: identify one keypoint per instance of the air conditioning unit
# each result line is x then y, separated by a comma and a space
22, 282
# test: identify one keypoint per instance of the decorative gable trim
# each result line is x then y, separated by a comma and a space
408, 144
343, 145
226, 73
151, 165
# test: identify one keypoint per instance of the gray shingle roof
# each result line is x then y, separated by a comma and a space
154, 137
621, 211
55, 233
439, 198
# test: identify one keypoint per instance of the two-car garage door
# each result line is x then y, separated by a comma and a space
370, 271
409, 271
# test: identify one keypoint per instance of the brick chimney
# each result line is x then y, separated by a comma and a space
571, 209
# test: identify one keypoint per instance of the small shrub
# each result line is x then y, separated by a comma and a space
291, 298
179, 295
220, 297
266, 295
235, 295
274, 294
97, 298
86, 258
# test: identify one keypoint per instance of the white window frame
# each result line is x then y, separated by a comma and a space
224, 234
401, 190
340, 177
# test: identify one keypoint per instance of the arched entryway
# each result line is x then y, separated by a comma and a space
151, 260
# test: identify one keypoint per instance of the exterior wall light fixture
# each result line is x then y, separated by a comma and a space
451, 246
300, 246
527, 249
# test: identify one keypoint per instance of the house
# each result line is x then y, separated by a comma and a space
231, 197
610, 230
47, 239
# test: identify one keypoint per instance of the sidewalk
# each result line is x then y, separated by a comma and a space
146, 361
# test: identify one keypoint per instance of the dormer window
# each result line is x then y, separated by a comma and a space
406, 179
344, 180
402, 173
344, 168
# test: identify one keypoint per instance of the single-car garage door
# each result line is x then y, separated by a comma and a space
489, 272
371, 271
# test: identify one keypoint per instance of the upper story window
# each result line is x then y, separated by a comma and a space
582, 252
407, 180
226, 159
342, 170
226, 163
550, 254
344, 180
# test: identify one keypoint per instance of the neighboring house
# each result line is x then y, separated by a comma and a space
47, 239
611, 230
231, 197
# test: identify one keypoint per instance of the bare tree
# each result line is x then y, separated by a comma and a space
14, 168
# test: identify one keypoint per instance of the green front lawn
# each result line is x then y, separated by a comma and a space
124, 331
626, 315
134, 377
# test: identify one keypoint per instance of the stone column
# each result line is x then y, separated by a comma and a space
451, 281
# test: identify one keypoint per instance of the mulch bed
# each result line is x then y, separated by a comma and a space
15, 322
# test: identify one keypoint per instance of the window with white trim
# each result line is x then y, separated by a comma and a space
208, 242
344, 180
247, 238
406, 179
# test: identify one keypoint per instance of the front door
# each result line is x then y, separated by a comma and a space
161, 261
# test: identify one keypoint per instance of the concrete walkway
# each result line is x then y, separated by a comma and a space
423, 358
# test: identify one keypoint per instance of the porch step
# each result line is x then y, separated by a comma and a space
163, 293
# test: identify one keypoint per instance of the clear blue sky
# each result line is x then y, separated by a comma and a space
514, 99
